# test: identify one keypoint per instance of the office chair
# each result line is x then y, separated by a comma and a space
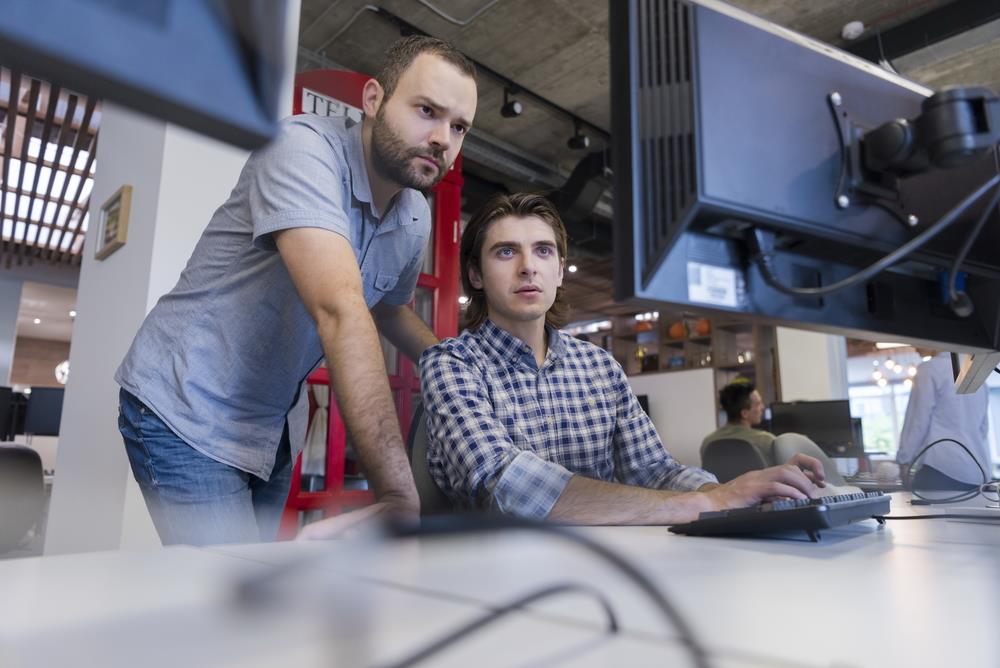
21, 496
432, 500
728, 458
787, 445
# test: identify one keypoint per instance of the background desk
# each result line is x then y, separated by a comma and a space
907, 594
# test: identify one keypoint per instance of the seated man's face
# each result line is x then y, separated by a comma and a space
756, 408
521, 269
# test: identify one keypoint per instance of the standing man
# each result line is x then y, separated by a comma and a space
316, 251
532, 422
744, 409
936, 411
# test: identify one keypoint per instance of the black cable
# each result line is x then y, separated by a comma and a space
761, 245
959, 301
258, 589
939, 516
961, 496
495, 614
470, 523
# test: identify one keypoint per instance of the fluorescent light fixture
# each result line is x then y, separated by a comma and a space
884, 345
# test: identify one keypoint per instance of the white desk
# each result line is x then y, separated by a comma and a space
909, 594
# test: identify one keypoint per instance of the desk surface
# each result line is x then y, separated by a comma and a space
923, 593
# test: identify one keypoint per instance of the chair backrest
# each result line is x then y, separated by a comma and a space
21, 496
787, 445
728, 458
432, 500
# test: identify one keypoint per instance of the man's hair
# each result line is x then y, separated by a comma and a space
734, 398
519, 205
404, 51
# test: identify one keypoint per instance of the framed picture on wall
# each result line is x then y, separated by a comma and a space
112, 228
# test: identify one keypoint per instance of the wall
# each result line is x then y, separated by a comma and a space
35, 361
812, 366
682, 407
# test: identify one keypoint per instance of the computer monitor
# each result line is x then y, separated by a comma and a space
732, 134
6, 414
216, 66
826, 423
44, 411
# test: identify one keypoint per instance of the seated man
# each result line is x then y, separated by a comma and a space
529, 421
744, 410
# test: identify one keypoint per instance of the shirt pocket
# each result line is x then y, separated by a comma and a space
378, 284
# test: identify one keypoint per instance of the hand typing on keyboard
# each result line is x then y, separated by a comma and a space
800, 478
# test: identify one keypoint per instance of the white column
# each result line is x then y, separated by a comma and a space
812, 366
10, 302
178, 179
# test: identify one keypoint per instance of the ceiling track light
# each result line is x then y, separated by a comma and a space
510, 108
578, 141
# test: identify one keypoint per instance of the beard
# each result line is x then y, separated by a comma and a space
392, 158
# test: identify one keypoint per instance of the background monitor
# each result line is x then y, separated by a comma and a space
44, 411
6, 414
726, 123
827, 423
215, 66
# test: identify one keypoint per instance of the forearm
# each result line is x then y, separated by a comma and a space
358, 380
588, 501
404, 328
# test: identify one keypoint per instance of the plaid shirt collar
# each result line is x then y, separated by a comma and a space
506, 348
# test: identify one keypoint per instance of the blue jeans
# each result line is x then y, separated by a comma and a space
192, 498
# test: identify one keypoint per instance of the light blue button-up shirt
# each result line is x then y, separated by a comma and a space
936, 411
222, 357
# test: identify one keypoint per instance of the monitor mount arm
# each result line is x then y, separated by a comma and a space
954, 126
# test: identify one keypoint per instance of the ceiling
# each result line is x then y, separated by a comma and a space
48, 138
559, 49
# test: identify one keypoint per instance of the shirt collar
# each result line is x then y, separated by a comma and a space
508, 348
360, 186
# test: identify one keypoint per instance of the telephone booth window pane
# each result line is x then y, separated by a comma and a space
428, 267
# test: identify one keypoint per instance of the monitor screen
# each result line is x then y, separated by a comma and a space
44, 411
826, 423
728, 127
215, 66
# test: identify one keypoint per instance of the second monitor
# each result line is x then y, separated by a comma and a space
827, 423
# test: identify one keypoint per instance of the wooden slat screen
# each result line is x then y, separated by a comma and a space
48, 149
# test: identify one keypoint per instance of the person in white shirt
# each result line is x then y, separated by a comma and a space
936, 411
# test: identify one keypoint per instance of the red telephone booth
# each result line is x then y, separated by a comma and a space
338, 93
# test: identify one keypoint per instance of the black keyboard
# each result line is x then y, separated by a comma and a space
809, 515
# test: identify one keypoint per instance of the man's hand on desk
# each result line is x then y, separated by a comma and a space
351, 524
799, 478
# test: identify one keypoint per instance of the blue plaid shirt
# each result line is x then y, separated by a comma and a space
505, 434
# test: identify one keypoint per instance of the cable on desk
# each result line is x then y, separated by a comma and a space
493, 615
471, 523
939, 516
957, 498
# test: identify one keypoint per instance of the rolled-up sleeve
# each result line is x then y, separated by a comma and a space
470, 454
